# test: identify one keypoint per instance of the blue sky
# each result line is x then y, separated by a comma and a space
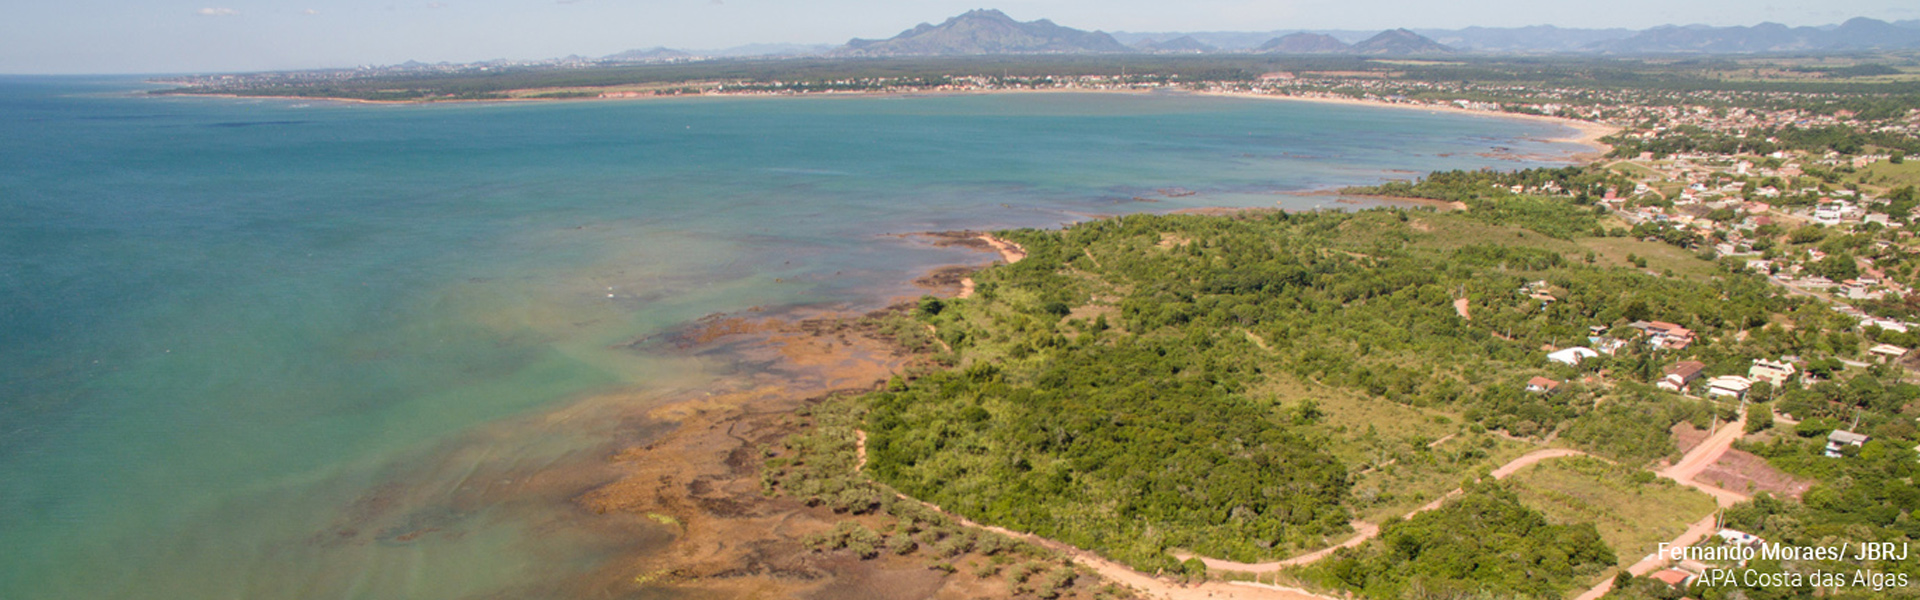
161, 36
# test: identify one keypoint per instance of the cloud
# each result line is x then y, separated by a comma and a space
310, 12
217, 12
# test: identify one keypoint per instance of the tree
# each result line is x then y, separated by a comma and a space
1759, 416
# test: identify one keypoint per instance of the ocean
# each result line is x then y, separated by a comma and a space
303, 349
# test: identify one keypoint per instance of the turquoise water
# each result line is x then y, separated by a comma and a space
281, 349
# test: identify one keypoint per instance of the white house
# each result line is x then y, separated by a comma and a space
1740, 538
1775, 372
1840, 439
1572, 356
1732, 386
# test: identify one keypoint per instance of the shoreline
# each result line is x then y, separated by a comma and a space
701, 476
1586, 133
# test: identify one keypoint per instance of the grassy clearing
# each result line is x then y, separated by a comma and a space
1633, 510
1391, 447
1447, 232
1887, 175
1634, 170
1417, 477
1660, 257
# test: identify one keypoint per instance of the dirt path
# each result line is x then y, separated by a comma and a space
1699, 530
1142, 583
859, 450
1690, 465
1146, 585
1256, 339
1153, 587
1009, 251
1365, 531
1703, 456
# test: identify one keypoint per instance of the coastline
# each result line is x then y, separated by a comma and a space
695, 413
1586, 133
701, 476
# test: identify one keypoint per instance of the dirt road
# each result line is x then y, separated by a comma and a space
1366, 531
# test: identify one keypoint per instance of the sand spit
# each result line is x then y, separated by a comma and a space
956, 281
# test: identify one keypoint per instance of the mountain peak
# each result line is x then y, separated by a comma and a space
1400, 41
985, 31
1304, 43
985, 13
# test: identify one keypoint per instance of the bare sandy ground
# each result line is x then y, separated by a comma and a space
1009, 252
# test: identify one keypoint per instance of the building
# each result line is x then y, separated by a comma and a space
1840, 439
1666, 335
1542, 385
1572, 356
1736, 537
1674, 578
1732, 386
1679, 374
1775, 372
1887, 352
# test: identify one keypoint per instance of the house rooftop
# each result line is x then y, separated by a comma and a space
1686, 369
1672, 577
1841, 436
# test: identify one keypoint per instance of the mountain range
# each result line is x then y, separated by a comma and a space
985, 32
1855, 34
993, 32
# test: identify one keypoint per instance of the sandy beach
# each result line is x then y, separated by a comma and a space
1586, 133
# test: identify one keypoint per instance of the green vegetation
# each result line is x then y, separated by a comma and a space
1513, 81
1240, 387
1219, 387
1892, 174
1865, 495
1517, 198
818, 467
1618, 429
1484, 543
1764, 140
1632, 509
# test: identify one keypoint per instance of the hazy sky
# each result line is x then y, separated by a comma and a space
160, 36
